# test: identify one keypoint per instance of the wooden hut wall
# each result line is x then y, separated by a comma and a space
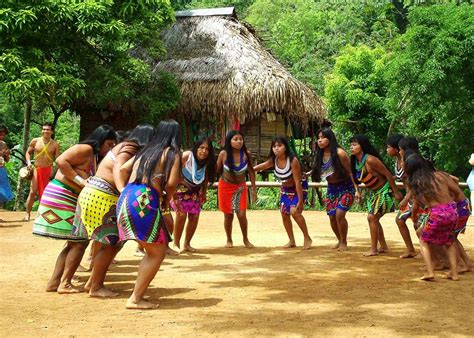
259, 133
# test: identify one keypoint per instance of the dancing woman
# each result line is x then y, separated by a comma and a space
235, 162
155, 172
331, 163
199, 169
96, 212
58, 204
294, 189
368, 168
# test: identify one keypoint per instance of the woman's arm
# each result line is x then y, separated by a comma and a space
380, 168
263, 166
296, 171
122, 169
346, 163
75, 156
220, 162
252, 182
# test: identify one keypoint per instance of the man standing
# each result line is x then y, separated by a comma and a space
45, 150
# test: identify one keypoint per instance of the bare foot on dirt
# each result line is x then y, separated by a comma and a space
229, 244
176, 247
427, 277
452, 276
383, 250
171, 252
307, 243
290, 244
408, 255
141, 305
189, 248
248, 245
343, 247
336, 246
26, 218
52, 286
103, 293
371, 253
69, 288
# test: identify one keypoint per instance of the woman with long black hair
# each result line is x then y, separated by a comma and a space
332, 164
368, 168
155, 172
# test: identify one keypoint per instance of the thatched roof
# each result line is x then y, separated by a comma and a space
223, 69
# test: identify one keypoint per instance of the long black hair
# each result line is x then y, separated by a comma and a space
367, 148
228, 149
99, 136
284, 141
421, 175
210, 161
168, 136
407, 143
137, 138
319, 154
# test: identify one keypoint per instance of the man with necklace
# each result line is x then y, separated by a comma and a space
45, 151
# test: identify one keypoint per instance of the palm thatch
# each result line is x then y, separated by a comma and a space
223, 70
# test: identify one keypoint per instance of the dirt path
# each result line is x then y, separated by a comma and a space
264, 291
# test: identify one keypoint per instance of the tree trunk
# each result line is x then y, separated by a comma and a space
26, 138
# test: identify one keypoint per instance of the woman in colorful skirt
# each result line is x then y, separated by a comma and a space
235, 162
368, 168
58, 204
294, 189
439, 193
155, 173
5, 188
96, 212
406, 205
332, 164
198, 171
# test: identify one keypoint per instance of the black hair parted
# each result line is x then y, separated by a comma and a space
210, 161
393, 140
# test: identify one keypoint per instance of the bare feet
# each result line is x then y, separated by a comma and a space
427, 277
103, 293
176, 247
171, 252
371, 253
139, 253
52, 286
229, 244
141, 305
452, 276
409, 255
290, 244
383, 250
189, 248
343, 247
336, 246
307, 243
69, 288
26, 218
248, 245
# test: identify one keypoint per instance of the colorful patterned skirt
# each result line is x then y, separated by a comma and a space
139, 215
96, 212
5, 188
187, 200
56, 212
289, 197
232, 197
439, 225
339, 196
462, 208
380, 201
405, 212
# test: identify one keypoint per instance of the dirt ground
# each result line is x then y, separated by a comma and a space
266, 291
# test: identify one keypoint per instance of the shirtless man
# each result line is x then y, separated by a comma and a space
45, 150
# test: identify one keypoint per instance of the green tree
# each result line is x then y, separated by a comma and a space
430, 82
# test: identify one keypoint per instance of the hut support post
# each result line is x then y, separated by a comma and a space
259, 142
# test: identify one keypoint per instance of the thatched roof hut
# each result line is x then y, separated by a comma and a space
225, 73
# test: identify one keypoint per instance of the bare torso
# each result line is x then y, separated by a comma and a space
44, 157
77, 160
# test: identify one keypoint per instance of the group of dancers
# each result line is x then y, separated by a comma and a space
111, 191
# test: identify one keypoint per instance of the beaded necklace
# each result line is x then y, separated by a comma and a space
360, 165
